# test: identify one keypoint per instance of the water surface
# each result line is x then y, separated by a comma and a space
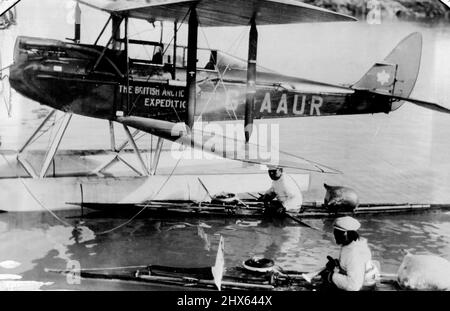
401, 157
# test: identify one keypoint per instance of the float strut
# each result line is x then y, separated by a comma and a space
136, 149
116, 157
36, 132
159, 146
112, 136
55, 144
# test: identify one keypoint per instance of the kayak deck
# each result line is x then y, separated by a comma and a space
236, 278
255, 209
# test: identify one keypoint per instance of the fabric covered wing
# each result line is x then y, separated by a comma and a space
222, 146
214, 13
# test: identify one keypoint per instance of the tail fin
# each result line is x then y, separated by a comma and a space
397, 74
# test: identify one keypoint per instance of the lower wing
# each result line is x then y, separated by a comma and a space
223, 146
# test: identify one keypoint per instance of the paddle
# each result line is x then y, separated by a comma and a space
309, 276
218, 269
286, 214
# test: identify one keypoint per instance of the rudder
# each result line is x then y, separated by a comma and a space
397, 74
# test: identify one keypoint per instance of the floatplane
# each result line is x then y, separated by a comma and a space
166, 95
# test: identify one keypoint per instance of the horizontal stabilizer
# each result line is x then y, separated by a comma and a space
215, 13
418, 102
222, 146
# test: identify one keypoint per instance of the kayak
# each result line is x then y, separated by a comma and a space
254, 274
235, 278
254, 209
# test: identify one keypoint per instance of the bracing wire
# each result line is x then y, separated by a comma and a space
220, 74
68, 224
2, 86
145, 206
148, 79
34, 197
46, 130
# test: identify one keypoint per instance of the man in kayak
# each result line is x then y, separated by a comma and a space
284, 195
354, 270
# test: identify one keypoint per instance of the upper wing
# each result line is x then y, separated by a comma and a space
222, 146
213, 13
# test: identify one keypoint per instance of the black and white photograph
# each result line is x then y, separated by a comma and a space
240, 147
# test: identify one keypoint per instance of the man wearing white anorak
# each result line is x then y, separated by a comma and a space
284, 195
354, 270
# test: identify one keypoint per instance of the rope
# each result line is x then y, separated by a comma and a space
35, 198
68, 224
146, 205
1, 69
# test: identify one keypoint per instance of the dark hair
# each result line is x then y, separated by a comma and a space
352, 236
275, 169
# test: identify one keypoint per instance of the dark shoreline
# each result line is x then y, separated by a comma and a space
411, 10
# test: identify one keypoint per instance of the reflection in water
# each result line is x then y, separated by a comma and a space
9, 264
38, 241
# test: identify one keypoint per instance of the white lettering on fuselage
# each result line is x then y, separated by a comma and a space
282, 106
139, 90
266, 104
302, 110
165, 103
158, 97
316, 104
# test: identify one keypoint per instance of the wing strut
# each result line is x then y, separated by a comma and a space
191, 72
175, 31
251, 79
77, 30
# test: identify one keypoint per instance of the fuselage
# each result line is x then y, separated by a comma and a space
92, 81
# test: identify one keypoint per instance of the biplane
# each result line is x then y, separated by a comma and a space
166, 95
